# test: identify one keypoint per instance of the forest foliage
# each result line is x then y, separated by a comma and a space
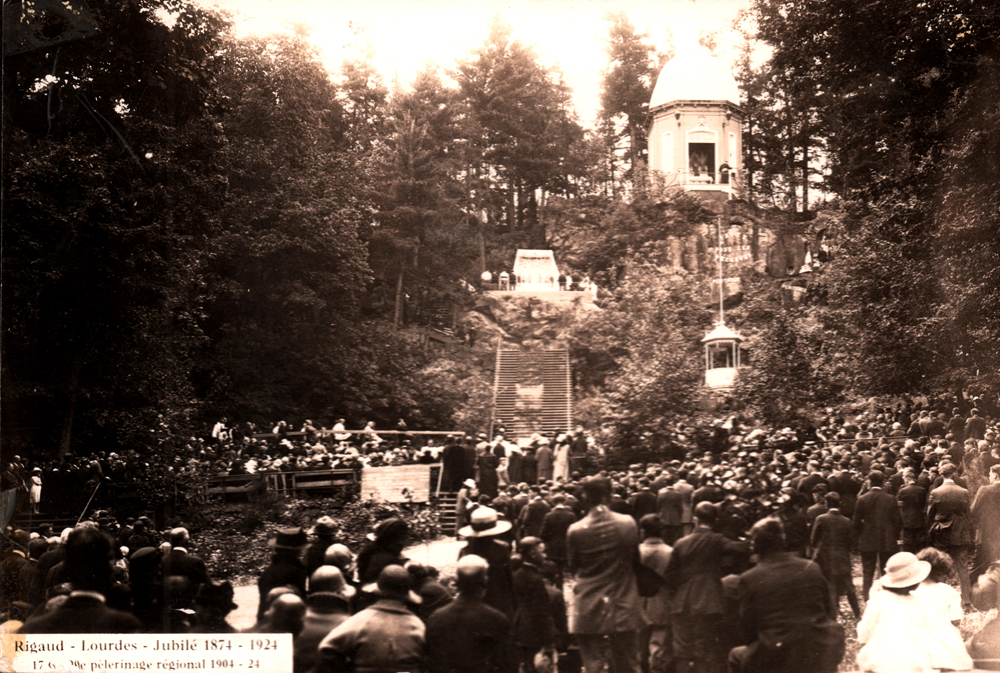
197, 225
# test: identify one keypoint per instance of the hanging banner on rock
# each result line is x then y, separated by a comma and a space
793, 292
397, 483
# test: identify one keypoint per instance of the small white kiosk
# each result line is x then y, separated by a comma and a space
722, 357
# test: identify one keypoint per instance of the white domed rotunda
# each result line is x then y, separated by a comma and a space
695, 117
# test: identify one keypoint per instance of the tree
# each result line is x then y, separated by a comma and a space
896, 115
364, 97
643, 351
626, 87
421, 224
527, 127
284, 269
97, 242
788, 377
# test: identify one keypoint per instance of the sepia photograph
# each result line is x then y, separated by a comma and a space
552, 336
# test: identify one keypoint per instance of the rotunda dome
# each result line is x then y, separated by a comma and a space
695, 74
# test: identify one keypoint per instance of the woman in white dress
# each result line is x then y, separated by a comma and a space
895, 624
560, 462
944, 608
35, 495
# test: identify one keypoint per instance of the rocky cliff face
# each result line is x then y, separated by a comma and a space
530, 322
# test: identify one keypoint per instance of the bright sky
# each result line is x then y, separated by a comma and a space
568, 34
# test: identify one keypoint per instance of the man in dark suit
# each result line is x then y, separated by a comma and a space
787, 612
467, 635
180, 562
670, 507
534, 626
843, 482
877, 523
949, 515
529, 521
85, 610
554, 527
642, 502
695, 571
831, 544
608, 606
986, 517
912, 501
975, 426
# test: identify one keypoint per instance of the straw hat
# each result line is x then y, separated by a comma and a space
904, 570
484, 522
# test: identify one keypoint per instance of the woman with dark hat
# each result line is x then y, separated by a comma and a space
384, 547
286, 568
212, 603
484, 525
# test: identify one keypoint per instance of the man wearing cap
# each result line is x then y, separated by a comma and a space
385, 637
534, 626
324, 532
831, 544
600, 549
484, 525
286, 569
467, 635
327, 607
950, 527
877, 523
554, 528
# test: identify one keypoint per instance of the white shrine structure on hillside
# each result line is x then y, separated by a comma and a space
536, 273
695, 120
536, 270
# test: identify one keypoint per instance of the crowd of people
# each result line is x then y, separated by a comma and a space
735, 557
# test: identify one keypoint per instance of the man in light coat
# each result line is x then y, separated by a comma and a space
656, 637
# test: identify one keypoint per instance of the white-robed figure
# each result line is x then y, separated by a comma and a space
35, 494
560, 461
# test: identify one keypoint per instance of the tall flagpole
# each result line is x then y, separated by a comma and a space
722, 317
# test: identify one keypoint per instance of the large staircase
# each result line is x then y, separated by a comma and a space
532, 392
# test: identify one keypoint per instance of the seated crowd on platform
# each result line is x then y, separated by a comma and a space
657, 561
504, 281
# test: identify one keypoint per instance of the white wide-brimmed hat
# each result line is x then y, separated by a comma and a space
484, 522
904, 570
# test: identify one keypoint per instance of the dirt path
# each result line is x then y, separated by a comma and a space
441, 553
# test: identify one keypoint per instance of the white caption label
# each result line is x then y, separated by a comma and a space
114, 653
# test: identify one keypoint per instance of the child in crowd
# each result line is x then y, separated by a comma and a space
944, 610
